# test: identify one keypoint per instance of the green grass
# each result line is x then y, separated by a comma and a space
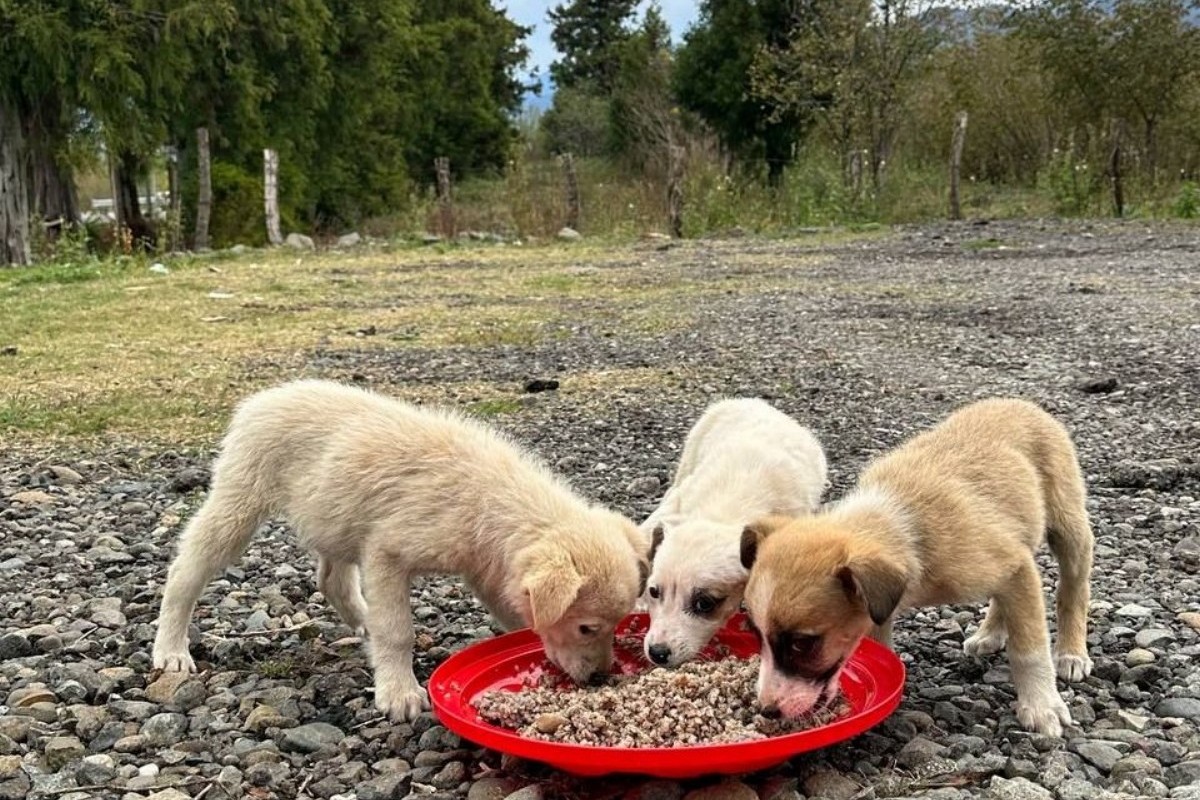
494, 408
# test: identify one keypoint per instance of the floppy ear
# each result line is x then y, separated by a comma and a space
878, 582
754, 533
656, 539
551, 582
643, 575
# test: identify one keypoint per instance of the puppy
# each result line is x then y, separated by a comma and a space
377, 487
952, 516
743, 459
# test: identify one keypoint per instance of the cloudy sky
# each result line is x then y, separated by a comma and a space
680, 14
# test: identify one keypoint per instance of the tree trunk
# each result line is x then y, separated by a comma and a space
175, 209
571, 186
54, 198
14, 192
441, 166
129, 167
204, 198
271, 196
1114, 172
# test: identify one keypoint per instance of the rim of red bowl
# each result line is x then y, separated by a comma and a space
873, 682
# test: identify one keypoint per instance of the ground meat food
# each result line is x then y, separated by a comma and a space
702, 702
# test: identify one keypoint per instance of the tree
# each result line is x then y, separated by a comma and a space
587, 34
644, 119
712, 78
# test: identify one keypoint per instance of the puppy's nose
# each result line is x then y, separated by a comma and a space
771, 712
597, 677
660, 653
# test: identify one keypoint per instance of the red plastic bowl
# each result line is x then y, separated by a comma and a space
872, 682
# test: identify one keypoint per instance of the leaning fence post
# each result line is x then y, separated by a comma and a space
572, 190
675, 191
956, 148
271, 195
441, 165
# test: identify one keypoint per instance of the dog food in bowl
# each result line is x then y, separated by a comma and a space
701, 702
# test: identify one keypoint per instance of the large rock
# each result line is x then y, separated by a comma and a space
1016, 789
569, 235
349, 240
298, 241
312, 737
1187, 707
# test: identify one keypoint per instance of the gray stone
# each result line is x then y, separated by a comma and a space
1016, 789
267, 774
919, 751
385, 787
164, 729
1136, 763
351, 239
1139, 656
1153, 637
1188, 707
1133, 610
1134, 722
65, 475
298, 241
830, 784
533, 791
1098, 754
450, 775
98, 768
1185, 773
725, 790
14, 645
496, 788
312, 737
16, 728
1077, 789
652, 790
644, 486
569, 235
62, 750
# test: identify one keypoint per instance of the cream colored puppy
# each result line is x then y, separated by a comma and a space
952, 516
382, 488
742, 460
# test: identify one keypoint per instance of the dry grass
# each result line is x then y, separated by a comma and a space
117, 351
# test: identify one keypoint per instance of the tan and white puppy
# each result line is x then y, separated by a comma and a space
742, 460
952, 516
382, 489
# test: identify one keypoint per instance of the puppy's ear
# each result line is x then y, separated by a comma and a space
877, 582
656, 539
643, 576
754, 533
550, 581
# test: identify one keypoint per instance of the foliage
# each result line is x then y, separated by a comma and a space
588, 35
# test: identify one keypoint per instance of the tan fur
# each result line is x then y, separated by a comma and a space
377, 487
954, 515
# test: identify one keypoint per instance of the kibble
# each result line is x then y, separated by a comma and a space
702, 702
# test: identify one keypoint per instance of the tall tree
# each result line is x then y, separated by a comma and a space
587, 34
713, 78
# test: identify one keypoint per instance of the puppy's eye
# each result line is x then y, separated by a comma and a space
589, 630
803, 645
655, 593
704, 604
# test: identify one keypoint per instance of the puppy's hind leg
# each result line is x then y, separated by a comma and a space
339, 582
212, 540
390, 626
991, 636
1070, 539
1039, 706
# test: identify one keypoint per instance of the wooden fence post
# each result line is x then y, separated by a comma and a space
856, 174
1114, 168
956, 148
271, 195
115, 182
572, 189
445, 206
175, 203
675, 190
204, 199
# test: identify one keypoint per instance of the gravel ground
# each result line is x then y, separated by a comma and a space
865, 342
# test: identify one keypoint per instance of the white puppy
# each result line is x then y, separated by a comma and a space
382, 487
743, 460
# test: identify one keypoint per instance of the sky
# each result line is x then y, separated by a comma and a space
680, 14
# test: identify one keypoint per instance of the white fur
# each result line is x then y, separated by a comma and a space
382, 489
742, 461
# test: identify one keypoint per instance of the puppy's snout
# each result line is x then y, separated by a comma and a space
772, 711
597, 677
659, 653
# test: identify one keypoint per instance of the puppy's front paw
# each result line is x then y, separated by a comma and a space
984, 642
1046, 718
1073, 666
173, 660
401, 703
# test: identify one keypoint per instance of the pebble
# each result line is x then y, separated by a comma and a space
1186, 707
1138, 657
725, 790
1101, 755
62, 750
312, 737
1016, 789
164, 729
1153, 637
830, 784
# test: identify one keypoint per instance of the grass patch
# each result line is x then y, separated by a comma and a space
112, 350
494, 408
